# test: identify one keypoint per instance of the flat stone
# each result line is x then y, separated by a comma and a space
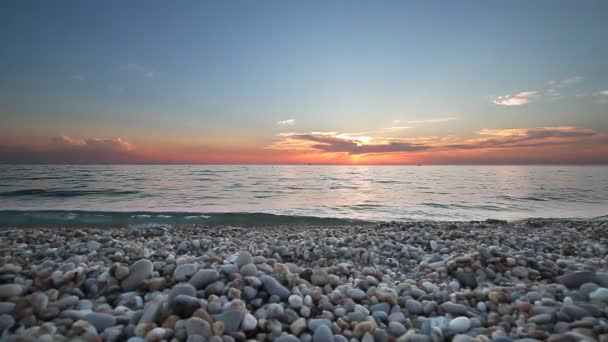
204, 277
396, 329
138, 272
600, 294
152, 310
454, 308
183, 272
414, 307
244, 258
273, 287
6, 322
575, 279
315, 323
249, 270
249, 322
10, 290
298, 326
356, 294
198, 326
185, 305
100, 321
231, 318
323, 334
460, 324
541, 319
319, 277
180, 289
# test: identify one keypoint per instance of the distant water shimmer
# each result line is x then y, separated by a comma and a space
138, 195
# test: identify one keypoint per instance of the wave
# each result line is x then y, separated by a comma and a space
65, 193
146, 219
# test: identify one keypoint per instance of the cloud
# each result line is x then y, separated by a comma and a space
525, 137
515, 100
602, 93
437, 120
139, 69
65, 149
97, 144
567, 82
286, 123
485, 139
552, 90
343, 143
396, 128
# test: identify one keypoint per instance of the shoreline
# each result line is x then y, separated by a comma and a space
545, 279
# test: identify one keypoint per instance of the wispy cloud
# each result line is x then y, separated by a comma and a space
65, 149
525, 137
566, 82
99, 144
139, 69
286, 123
552, 90
515, 100
602, 93
413, 122
397, 128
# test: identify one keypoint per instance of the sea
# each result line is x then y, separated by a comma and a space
157, 195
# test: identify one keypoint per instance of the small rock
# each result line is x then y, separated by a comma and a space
273, 287
138, 272
249, 322
323, 334
183, 272
100, 321
460, 324
203, 278
231, 318
600, 294
244, 258
198, 326
10, 290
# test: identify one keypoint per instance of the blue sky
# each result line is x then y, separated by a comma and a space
218, 76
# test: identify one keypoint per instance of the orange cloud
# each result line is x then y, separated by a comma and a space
488, 139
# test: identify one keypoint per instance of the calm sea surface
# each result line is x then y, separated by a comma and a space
148, 194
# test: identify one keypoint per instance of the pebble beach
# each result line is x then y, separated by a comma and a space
529, 280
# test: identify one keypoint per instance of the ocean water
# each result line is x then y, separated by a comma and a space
138, 195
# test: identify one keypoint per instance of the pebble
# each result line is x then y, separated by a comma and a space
231, 318
244, 258
396, 329
356, 294
203, 278
414, 307
575, 279
274, 287
249, 322
100, 321
323, 334
183, 272
10, 290
138, 272
414, 281
600, 294
460, 324
198, 326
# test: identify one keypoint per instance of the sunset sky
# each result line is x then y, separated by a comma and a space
363, 82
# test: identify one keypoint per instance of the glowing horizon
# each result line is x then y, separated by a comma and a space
244, 83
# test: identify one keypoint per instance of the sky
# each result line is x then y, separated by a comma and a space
309, 82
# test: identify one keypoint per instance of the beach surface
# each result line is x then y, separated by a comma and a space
411, 281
